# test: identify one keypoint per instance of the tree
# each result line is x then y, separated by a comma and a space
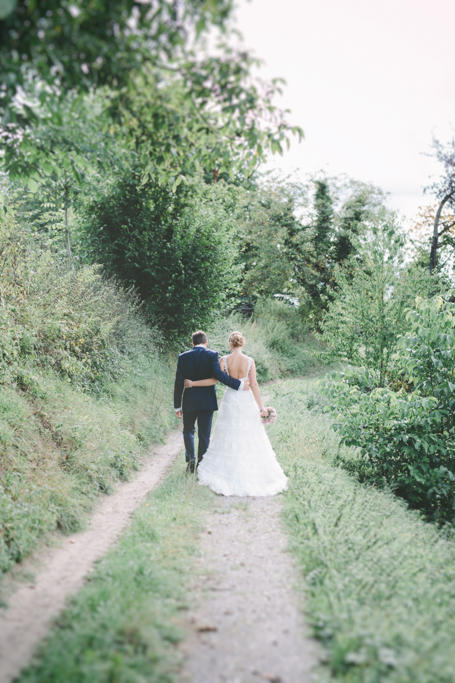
360, 206
175, 248
321, 228
423, 232
443, 190
366, 316
75, 46
58, 154
176, 105
273, 240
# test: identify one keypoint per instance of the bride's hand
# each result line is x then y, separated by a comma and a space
188, 384
264, 412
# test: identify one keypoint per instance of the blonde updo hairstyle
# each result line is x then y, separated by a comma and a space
236, 339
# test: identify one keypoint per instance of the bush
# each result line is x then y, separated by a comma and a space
276, 337
407, 441
80, 325
177, 250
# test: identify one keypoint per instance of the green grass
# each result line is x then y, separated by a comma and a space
122, 627
380, 582
61, 447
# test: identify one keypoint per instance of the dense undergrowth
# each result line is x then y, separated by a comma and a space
404, 432
84, 390
276, 337
379, 580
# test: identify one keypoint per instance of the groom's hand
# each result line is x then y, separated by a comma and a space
179, 414
246, 385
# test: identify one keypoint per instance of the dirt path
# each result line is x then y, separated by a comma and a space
61, 570
247, 627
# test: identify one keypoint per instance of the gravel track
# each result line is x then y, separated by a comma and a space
247, 626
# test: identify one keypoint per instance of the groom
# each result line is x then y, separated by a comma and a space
199, 403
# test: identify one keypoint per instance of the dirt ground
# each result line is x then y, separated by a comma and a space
60, 571
247, 626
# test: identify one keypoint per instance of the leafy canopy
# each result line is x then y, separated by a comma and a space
177, 106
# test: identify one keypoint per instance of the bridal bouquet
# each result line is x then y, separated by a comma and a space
270, 417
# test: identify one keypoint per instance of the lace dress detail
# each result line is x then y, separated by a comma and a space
240, 460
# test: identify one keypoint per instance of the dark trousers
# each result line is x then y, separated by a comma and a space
204, 427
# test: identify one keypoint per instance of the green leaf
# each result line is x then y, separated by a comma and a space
6, 7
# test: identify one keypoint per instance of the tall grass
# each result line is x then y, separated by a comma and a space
83, 390
379, 580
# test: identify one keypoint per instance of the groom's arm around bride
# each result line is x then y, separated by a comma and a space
199, 404
200, 363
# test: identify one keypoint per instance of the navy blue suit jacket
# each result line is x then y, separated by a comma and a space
199, 363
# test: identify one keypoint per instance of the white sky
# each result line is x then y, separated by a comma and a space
369, 81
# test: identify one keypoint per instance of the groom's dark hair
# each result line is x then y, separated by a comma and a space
199, 337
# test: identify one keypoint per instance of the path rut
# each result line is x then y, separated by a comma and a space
247, 626
61, 570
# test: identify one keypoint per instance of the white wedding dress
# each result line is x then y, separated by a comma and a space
240, 460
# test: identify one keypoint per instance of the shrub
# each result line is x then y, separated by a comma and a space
80, 325
276, 337
407, 440
83, 390
177, 250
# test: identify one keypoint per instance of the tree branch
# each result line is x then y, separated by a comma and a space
434, 242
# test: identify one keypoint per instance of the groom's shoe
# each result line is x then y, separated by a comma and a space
190, 467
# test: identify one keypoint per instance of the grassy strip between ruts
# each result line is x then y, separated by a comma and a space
380, 581
123, 625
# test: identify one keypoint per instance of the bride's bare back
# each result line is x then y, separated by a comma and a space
237, 365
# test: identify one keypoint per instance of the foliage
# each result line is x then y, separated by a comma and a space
341, 213
177, 249
423, 230
272, 239
123, 625
443, 189
80, 326
178, 107
373, 289
407, 441
294, 234
80, 45
320, 282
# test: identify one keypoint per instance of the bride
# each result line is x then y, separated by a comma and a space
240, 460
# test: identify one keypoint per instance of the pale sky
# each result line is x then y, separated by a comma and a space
369, 81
